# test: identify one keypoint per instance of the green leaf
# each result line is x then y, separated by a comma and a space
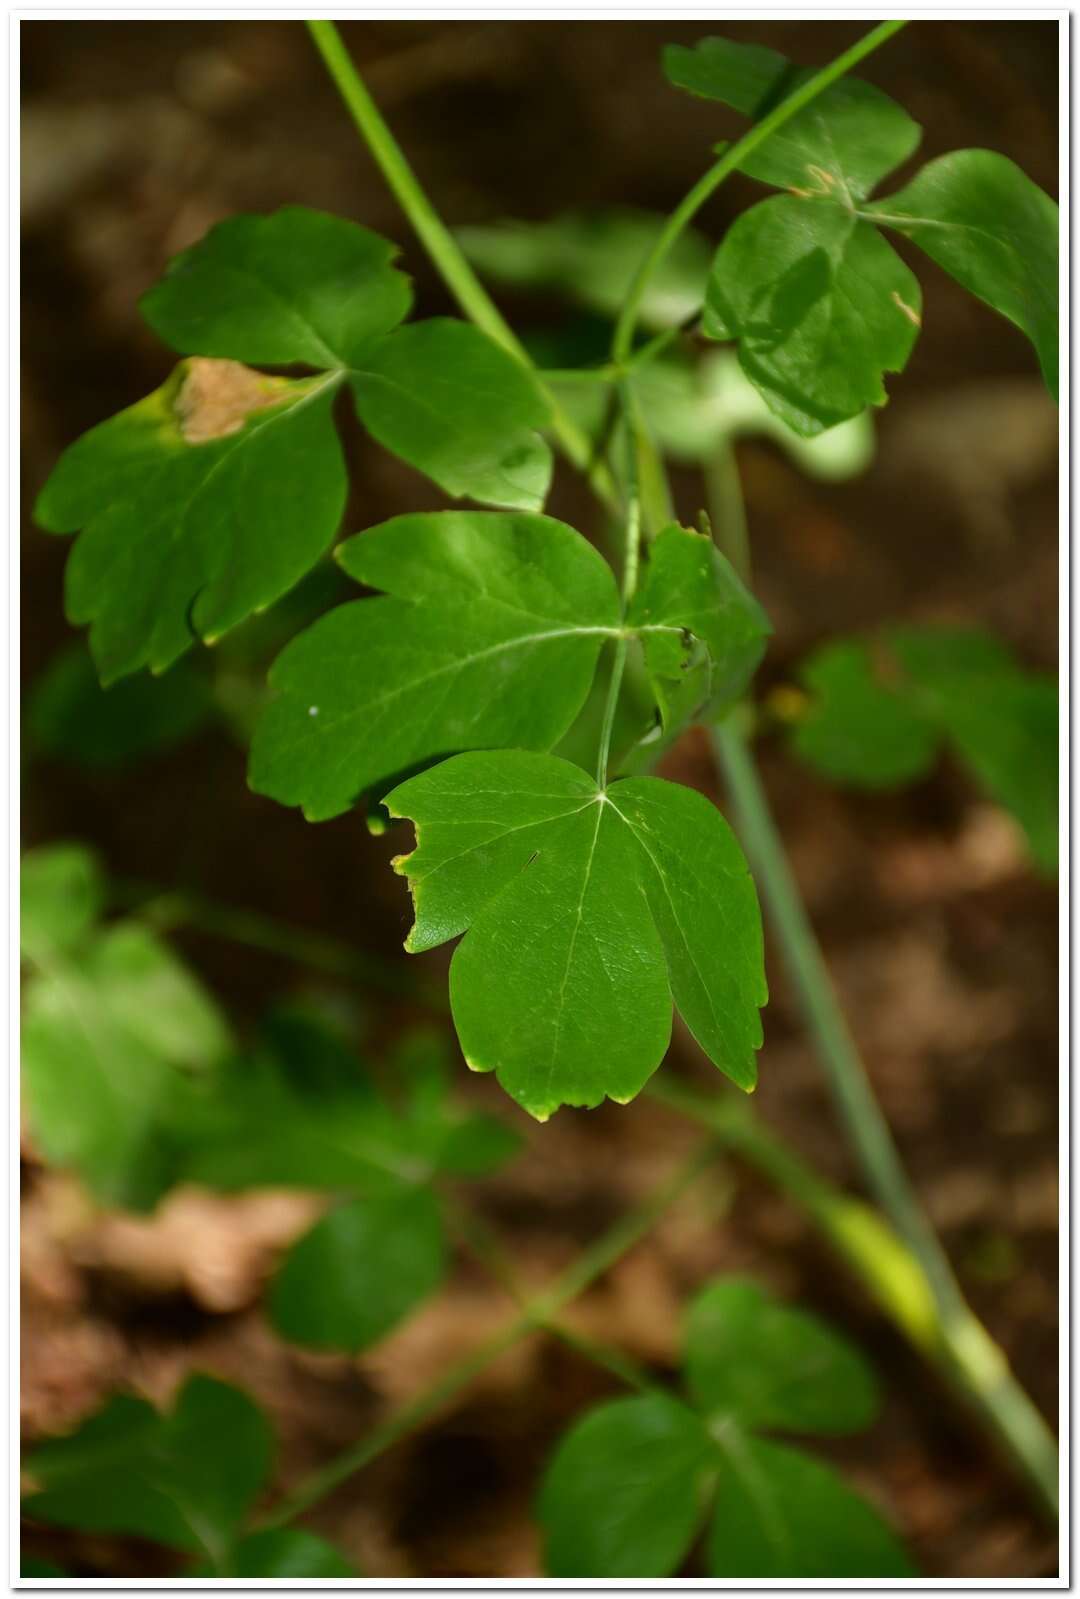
72, 717
109, 1047
859, 727
821, 305
186, 1478
62, 893
587, 912
297, 287
781, 1514
882, 708
845, 141
702, 630
1001, 720
625, 1491
591, 257
199, 505
450, 401
281, 1553
488, 635
981, 218
359, 1270
766, 1364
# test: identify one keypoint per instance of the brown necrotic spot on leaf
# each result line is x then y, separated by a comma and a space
215, 398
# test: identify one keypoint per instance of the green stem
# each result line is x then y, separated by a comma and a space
538, 1313
726, 507
440, 244
844, 1069
631, 559
733, 156
165, 910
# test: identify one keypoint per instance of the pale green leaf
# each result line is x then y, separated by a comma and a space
70, 716
587, 913
62, 893
821, 305
702, 630
771, 1365
359, 1270
297, 287
591, 257
186, 1478
626, 1491
450, 401
488, 635
980, 217
110, 1048
199, 505
780, 1514
845, 141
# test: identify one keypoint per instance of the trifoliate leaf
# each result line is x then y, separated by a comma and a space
626, 1490
62, 893
297, 287
70, 716
209, 499
488, 634
359, 1270
591, 257
821, 305
199, 505
769, 1365
881, 709
784, 1515
588, 912
452, 402
110, 1041
859, 728
981, 218
702, 630
630, 1484
847, 139
186, 1478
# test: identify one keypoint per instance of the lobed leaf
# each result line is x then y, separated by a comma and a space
199, 505
70, 716
702, 631
821, 305
980, 217
846, 140
626, 1490
488, 634
882, 709
769, 1365
781, 1514
359, 1270
110, 1050
298, 287
186, 1478
587, 913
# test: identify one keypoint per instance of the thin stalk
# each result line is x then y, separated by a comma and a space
732, 157
165, 910
727, 508
538, 1313
443, 249
631, 558
825, 1021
